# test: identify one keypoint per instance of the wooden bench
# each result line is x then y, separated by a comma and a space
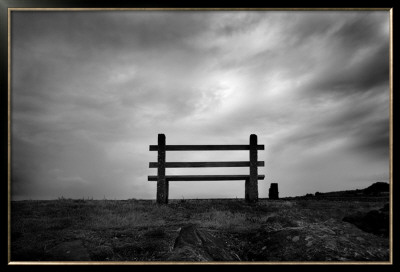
251, 180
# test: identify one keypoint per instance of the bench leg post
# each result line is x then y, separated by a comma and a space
252, 186
162, 182
246, 190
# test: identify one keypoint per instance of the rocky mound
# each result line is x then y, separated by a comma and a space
376, 188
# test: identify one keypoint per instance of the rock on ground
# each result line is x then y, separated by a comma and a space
194, 244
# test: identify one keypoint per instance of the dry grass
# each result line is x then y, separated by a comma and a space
142, 230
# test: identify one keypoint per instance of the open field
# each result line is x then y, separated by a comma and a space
140, 230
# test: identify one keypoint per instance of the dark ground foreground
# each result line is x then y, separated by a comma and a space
300, 230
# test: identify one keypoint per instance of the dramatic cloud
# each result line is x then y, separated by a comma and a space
91, 91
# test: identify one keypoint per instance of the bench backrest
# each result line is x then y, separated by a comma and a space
251, 180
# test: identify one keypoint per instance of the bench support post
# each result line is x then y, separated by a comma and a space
162, 182
246, 190
251, 185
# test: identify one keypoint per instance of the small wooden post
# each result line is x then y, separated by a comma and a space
273, 191
251, 194
162, 183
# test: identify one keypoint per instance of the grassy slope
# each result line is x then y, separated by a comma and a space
135, 230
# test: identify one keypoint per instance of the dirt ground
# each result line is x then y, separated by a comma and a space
138, 230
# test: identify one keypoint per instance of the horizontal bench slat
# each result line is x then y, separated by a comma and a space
206, 164
204, 147
204, 177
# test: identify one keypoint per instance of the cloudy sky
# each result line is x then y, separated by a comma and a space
91, 90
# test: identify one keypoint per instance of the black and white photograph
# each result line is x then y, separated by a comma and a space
195, 136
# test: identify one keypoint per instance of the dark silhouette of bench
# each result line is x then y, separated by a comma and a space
251, 180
